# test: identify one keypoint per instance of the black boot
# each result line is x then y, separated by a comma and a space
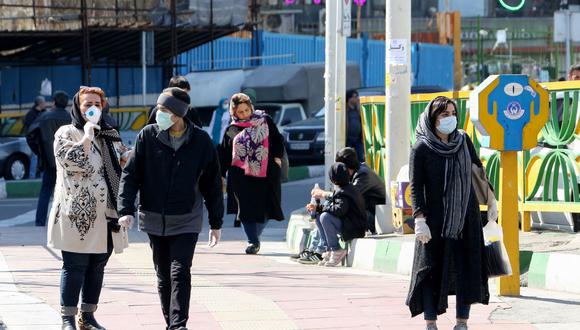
87, 322
68, 323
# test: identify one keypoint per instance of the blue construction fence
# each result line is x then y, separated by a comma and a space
431, 64
20, 85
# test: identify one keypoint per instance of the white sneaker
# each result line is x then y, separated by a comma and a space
336, 257
325, 258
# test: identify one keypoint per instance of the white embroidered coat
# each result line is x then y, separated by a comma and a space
77, 221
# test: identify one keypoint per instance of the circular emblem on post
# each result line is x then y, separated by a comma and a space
514, 111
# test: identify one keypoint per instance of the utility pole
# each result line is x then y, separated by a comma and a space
330, 77
343, 26
397, 95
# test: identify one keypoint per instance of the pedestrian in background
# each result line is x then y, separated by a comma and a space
40, 138
251, 154
192, 114
354, 136
83, 220
449, 252
220, 120
174, 168
38, 107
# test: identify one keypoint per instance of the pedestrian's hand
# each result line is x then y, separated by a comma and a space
317, 193
214, 237
422, 231
492, 213
127, 221
310, 207
278, 161
89, 129
224, 187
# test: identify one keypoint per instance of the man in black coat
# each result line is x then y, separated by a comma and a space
192, 115
354, 129
40, 138
174, 167
38, 107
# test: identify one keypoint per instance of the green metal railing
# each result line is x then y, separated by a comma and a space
548, 174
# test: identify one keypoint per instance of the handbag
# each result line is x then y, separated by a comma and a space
480, 184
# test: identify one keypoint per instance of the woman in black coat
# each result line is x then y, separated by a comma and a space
449, 252
251, 154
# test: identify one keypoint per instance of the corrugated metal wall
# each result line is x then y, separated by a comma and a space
432, 64
20, 85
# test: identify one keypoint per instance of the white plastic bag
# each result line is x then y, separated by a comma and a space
497, 260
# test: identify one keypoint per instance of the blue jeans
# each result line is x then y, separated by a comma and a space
46, 190
83, 272
318, 243
430, 305
254, 231
332, 227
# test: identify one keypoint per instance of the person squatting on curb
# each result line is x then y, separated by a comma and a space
342, 215
174, 168
83, 219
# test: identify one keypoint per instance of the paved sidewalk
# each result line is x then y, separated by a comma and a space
231, 290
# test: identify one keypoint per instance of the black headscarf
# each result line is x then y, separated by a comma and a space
105, 139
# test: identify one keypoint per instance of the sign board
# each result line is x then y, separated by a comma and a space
509, 111
397, 51
346, 17
560, 24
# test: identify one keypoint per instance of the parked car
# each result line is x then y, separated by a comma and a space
283, 113
304, 139
15, 158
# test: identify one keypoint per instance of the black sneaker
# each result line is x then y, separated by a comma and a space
295, 257
313, 259
253, 249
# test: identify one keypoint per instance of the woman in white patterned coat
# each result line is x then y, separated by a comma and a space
83, 222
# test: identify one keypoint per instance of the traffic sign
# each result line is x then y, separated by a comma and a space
509, 111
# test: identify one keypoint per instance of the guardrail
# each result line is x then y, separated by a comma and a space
549, 175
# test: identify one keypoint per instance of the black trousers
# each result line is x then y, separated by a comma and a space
172, 256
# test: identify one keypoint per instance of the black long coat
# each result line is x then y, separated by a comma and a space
451, 266
257, 199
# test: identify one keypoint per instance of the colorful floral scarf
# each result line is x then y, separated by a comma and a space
251, 146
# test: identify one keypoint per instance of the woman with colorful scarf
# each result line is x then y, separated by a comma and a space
251, 154
83, 222
449, 251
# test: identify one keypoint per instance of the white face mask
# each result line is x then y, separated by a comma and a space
447, 125
93, 114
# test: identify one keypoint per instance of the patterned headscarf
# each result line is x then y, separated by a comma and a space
251, 146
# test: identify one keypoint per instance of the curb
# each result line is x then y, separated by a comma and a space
20, 189
31, 188
394, 254
304, 172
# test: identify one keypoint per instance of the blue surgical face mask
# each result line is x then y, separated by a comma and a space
163, 120
447, 125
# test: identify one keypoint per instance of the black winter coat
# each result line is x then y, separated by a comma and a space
371, 187
170, 182
453, 267
40, 135
348, 204
255, 199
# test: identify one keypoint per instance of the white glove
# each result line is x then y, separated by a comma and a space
214, 237
492, 213
127, 221
422, 232
89, 129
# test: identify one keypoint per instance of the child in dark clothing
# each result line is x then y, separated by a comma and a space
344, 214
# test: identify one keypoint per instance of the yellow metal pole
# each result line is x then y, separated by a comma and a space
508, 219
526, 223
